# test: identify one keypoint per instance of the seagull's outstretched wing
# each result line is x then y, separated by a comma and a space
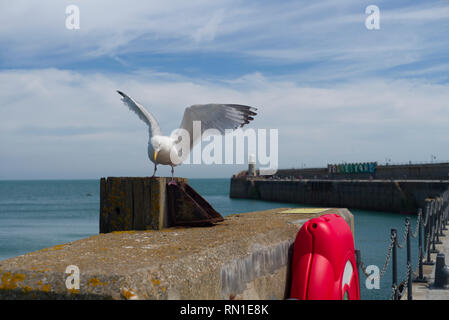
143, 114
216, 116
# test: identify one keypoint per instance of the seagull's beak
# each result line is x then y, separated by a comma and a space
155, 155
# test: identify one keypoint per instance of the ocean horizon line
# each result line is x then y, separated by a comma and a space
91, 179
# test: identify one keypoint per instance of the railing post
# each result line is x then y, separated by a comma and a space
426, 229
358, 263
428, 233
433, 221
445, 211
437, 223
439, 232
441, 217
395, 265
420, 277
409, 262
446, 195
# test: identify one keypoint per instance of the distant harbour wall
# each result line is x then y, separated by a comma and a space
428, 171
378, 195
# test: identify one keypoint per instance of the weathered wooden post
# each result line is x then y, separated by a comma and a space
134, 203
128, 203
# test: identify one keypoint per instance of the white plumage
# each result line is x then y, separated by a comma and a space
211, 116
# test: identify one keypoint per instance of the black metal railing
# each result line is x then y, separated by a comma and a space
429, 228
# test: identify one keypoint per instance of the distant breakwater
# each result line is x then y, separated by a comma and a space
378, 195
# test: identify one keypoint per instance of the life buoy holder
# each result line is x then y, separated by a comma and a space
323, 264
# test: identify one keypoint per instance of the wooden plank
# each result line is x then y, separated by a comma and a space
128, 204
116, 204
138, 202
103, 213
146, 206
111, 209
155, 204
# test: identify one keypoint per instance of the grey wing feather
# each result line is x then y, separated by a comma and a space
142, 113
217, 116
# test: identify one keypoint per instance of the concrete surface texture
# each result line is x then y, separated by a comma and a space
244, 257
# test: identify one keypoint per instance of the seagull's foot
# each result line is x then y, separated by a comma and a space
172, 181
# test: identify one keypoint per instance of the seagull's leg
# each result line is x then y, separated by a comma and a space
154, 173
172, 181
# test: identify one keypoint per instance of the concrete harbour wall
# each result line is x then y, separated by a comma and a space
429, 171
379, 195
247, 256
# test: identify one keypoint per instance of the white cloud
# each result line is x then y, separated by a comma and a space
64, 124
331, 34
209, 30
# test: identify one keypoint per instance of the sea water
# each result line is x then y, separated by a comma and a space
43, 213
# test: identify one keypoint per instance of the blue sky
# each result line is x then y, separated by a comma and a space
335, 90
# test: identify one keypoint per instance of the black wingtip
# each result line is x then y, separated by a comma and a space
121, 93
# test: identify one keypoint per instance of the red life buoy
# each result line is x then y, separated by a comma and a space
323, 264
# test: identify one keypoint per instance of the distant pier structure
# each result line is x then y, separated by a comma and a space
369, 186
369, 170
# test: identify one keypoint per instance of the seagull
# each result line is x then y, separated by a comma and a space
211, 116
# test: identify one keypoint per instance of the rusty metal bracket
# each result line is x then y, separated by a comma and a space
186, 207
